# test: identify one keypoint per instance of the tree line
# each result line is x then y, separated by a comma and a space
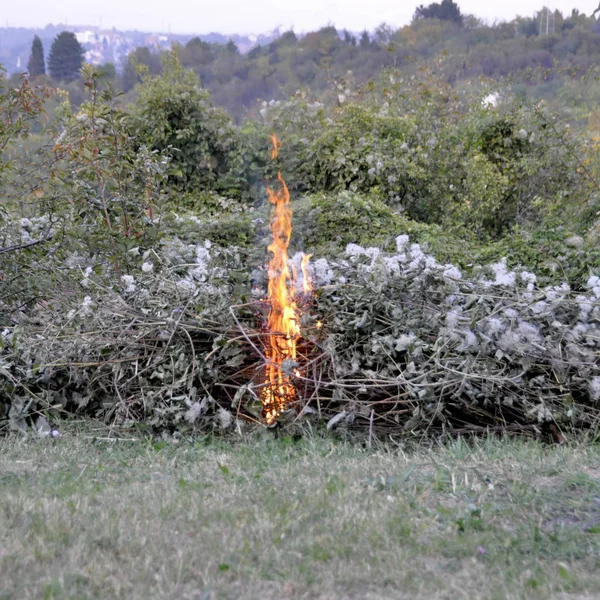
472, 48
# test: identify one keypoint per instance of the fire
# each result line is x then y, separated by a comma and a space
284, 316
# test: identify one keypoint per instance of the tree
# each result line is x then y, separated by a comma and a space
66, 57
141, 60
365, 40
108, 71
36, 65
447, 10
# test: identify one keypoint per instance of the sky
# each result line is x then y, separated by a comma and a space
254, 16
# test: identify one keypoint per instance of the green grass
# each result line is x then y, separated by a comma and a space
87, 518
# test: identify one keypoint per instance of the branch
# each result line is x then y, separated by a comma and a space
23, 246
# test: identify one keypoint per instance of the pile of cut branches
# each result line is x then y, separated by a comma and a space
407, 346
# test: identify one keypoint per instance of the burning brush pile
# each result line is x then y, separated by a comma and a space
200, 337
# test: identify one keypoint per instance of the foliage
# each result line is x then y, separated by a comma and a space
36, 65
20, 106
326, 223
237, 81
138, 237
88, 192
140, 61
447, 10
65, 57
438, 154
173, 114
404, 338
114, 180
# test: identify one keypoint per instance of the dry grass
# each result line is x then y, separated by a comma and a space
82, 518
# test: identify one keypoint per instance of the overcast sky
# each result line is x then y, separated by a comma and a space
252, 16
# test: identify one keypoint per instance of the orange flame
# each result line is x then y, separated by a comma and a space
284, 317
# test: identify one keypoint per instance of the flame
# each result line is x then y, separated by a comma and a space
284, 317
276, 145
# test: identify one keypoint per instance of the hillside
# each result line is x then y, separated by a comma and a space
105, 45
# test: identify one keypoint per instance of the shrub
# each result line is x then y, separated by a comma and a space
439, 154
173, 114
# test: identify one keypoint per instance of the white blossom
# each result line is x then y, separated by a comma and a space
540, 307
322, 272
502, 275
186, 286
392, 264
452, 272
129, 283
85, 309
193, 412
401, 242
493, 326
373, 253
452, 317
529, 279
404, 341
469, 340
224, 418
354, 250
585, 306
147, 267
528, 331
553, 292
593, 283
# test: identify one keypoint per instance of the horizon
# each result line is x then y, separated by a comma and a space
303, 21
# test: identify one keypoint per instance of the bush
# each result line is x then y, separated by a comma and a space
326, 223
173, 114
439, 154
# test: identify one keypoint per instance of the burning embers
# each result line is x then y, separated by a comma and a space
283, 322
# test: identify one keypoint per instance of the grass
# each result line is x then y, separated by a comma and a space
267, 518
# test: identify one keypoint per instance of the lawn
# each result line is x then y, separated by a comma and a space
82, 517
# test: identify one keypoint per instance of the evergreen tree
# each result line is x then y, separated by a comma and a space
365, 40
66, 57
447, 10
36, 65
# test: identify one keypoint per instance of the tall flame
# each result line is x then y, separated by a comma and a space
284, 318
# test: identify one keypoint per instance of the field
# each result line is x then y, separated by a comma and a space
88, 517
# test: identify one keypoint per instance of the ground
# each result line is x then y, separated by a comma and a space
82, 517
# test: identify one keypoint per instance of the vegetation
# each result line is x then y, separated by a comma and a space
453, 224
65, 58
565, 53
454, 227
36, 65
271, 518
447, 10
